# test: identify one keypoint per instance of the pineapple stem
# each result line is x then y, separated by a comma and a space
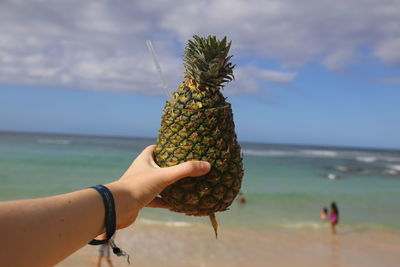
214, 224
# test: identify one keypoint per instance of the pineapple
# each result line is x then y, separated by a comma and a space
197, 124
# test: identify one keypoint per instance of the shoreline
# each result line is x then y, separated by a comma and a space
195, 245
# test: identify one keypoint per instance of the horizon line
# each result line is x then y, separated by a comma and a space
240, 141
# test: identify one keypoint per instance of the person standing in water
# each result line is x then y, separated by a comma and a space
324, 214
334, 217
241, 198
103, 251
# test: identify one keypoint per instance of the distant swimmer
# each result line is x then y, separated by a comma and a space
324, 214
241, 198
334, 218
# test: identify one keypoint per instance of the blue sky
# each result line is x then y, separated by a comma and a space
316, 73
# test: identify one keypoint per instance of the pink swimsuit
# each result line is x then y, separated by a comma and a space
334, 218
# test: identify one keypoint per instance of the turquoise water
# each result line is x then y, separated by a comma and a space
285, 186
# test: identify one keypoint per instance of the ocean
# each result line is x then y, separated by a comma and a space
285, 186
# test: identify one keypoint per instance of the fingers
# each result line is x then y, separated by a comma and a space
148, 152
146, 157
158, 203
190, 168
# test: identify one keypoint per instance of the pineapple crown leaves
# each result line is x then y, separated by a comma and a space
206, 62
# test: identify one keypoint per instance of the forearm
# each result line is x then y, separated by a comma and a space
42, 232
47, 230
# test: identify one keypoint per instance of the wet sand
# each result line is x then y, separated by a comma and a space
195, 245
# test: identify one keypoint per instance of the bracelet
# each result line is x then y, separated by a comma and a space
110, 219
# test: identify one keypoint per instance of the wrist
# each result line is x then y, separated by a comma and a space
126, 208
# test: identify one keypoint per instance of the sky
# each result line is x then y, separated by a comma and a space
307, 72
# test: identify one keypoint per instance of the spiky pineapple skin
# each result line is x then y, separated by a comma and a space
199, 126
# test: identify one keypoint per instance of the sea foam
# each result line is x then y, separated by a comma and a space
166, 223
297, 225
359, 156
366, 159
291, 153
394, 167
271, 153
319, 153
54, 141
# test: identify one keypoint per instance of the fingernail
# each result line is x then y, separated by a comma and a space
205, 165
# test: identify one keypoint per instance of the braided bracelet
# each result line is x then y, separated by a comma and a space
110, 219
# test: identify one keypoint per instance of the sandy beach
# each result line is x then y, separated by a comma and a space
171, 245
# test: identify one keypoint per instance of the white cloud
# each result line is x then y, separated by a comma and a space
249, 79
389, 51
100, 45
291, 31
276, 76
338, 59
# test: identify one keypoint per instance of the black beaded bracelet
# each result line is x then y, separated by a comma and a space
110, 219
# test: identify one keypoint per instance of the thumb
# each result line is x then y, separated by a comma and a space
189, 168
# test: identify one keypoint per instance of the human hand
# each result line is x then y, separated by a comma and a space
144, 180
61, 224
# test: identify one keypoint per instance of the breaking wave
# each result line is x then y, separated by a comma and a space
54, 141
296, 153
366, 159
360, 156
393, 169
